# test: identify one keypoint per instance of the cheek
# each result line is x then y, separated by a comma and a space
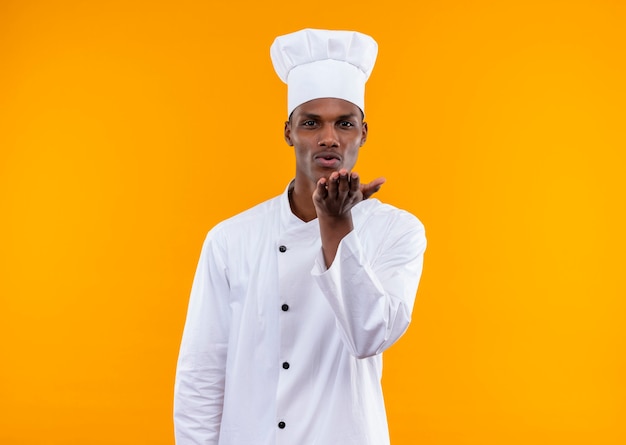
301, 154
352, 156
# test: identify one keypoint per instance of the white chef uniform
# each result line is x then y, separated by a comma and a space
279, 350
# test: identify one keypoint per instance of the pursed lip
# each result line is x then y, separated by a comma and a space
328, 155
327, 160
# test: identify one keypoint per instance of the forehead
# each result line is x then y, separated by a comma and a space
327, 107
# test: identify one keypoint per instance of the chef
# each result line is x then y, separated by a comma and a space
295, 300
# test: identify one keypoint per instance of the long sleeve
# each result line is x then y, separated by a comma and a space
372, 290
200, 374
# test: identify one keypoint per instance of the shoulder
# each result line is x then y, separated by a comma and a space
372, 211
245, 229
386, 229
249, 218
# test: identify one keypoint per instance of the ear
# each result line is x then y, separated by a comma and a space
287, 133
364, 133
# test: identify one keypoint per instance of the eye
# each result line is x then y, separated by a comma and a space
308, 123
346, 124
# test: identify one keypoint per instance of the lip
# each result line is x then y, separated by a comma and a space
328, 159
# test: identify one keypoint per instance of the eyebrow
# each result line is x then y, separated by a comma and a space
317, 116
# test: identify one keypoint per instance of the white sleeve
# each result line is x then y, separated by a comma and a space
372, 296
200, 374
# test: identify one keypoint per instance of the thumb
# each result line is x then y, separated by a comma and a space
372, 187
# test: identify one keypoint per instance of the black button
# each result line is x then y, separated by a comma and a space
285, 365
285, 307
282, 249
281, 424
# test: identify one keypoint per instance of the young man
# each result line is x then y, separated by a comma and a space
295, 300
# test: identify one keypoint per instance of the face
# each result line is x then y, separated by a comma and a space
326, 135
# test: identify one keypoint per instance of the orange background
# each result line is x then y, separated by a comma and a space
129, 128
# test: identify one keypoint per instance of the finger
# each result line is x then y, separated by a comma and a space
332, 185
321, 191
355, 183
343, 182
372, 187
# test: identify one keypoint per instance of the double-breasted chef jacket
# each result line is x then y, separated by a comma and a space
279, 350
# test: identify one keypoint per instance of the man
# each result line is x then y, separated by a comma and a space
295, 300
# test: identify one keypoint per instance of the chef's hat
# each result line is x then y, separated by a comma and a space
317, 63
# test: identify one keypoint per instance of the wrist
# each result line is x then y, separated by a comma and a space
336, 221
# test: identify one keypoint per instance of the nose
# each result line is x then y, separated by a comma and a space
328, 137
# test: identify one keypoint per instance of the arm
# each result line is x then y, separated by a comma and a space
372, 298
372, 294
199, 386
333, 199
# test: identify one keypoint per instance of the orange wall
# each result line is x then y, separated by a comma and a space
129, 128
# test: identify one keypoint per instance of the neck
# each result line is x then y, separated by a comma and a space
301, 204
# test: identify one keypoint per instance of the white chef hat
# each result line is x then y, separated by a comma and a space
316, 63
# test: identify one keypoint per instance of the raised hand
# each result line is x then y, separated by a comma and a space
336, 195
333, 198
